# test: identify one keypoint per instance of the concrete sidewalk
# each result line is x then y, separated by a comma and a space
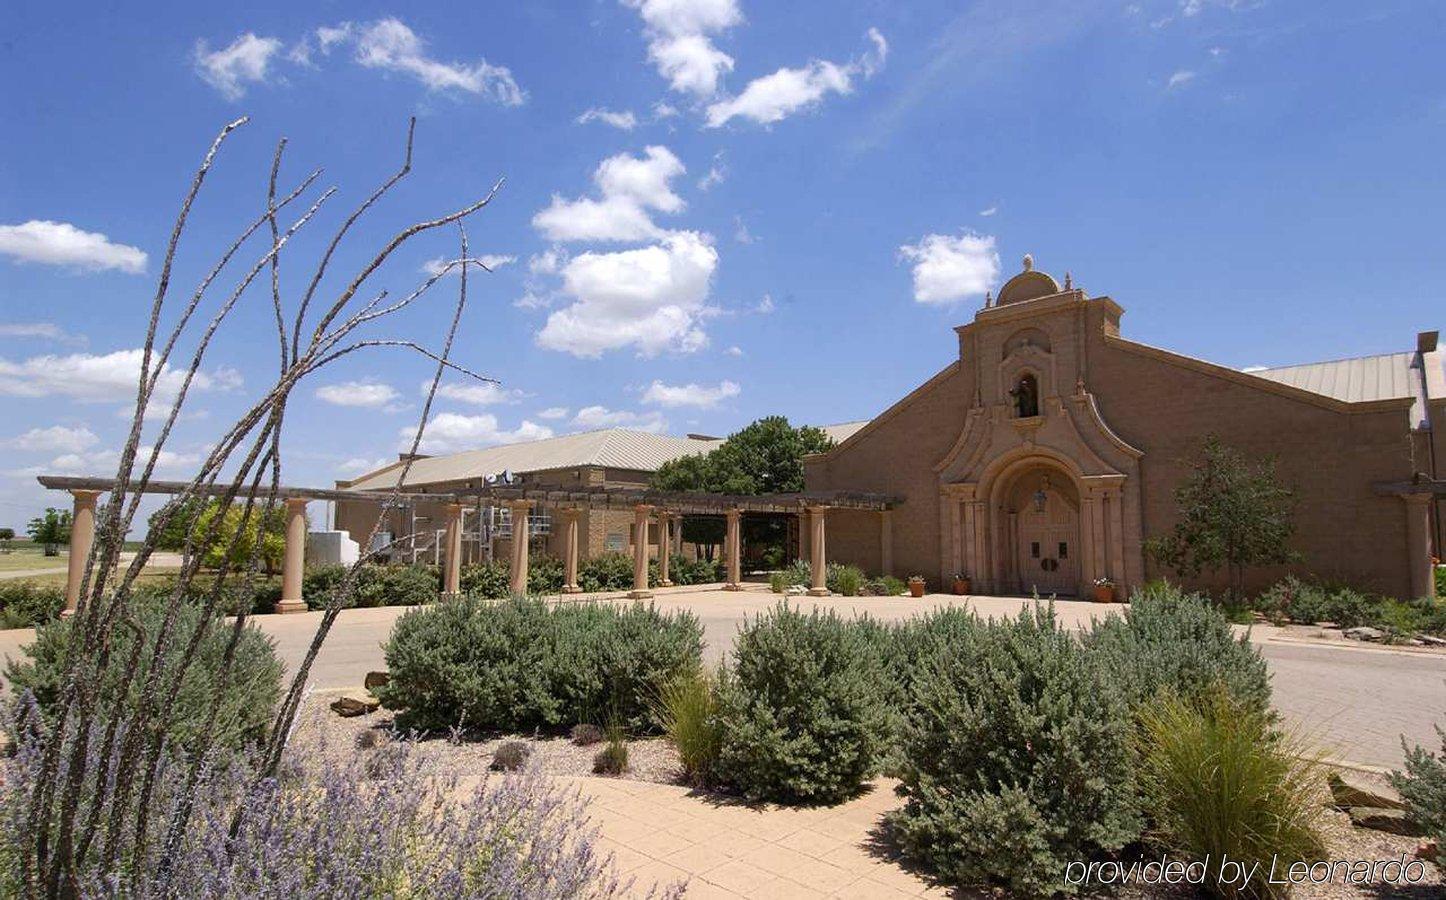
660, 833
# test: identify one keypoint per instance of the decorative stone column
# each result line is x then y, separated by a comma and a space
665, 529
452, 574
803, 527
733, 551
294, 564
641, 514
520, 534
818, 561
82, 539
886, 542
569, 550
1418, 544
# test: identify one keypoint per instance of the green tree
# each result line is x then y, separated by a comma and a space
6, 536
51, 529
1234, 513
195, 516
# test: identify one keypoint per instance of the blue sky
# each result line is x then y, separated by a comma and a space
772, 208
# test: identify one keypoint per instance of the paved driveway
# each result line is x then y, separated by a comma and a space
1354, 701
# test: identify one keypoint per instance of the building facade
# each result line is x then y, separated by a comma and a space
1048, 452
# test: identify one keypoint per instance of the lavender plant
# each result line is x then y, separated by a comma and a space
383, 825
94, 803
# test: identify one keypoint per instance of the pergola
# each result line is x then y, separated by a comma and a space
810, 506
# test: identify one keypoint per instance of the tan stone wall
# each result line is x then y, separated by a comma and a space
895, 456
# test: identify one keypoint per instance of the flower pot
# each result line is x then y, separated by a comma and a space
961, 586
1104, 593
916, 589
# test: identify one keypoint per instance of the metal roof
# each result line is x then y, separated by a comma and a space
616, 448
843, 431
1385, 377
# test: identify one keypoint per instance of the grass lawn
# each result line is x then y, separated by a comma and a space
24, 555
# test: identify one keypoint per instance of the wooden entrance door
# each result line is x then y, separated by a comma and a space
1047, 555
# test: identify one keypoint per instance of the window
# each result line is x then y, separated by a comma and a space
539, 522
1026, 397
1034, 549
1063, 550
615, 542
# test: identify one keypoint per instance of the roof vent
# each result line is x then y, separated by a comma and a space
1426, 341
703, 437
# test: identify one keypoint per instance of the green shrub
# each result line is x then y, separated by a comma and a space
687, 710
803, 715
1016, 758
246, 706
26, 604
585, 734
778, 583
375, 585
511, 756
1441, 581
885, 586
544, 576
612, 759
685, 570
1423, 787
1172, 641
606, 572
320, 583
1220, 782
488, 580
520, 664
847, 581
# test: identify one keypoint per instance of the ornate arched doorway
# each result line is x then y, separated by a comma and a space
1046, 546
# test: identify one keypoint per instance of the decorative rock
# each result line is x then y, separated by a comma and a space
1431, 640
1364, 633
1352, 789
1428, 851
375, 680
1391, 821
355, 704
797, 590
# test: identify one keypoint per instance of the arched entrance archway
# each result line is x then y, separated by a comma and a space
1036, 517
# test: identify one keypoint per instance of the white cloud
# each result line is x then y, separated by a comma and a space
99, 378
1179, 78
62, 244
453, 432
554, 412
533, 299
364, 394
42, 330
652, 298
624, 119
949, 267
717, 172
630, 186
479, 393
546, 263
390, 45
493, 261
95, 462
591, 418
690, 394
679, 44
662, 110
989, 212
741, 234
765, 305
734, 351
245, 60
55, 439
773, 98
358, 465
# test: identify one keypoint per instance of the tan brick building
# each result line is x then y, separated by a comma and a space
1048, 451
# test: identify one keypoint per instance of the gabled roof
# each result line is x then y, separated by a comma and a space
616, 448
843, 431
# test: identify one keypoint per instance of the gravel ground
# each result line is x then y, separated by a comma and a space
649, 759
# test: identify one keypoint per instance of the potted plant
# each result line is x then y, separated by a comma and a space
1104, 590
961, 583
916, 585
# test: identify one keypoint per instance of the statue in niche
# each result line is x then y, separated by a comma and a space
1026, 397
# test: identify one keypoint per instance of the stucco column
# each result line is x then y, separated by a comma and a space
886, 541
1418, 544
293, 565
519, 510
1116, 531
733, 551
452, 574
569, 550
640, 591
665, 529
818, 559
82, 539
803, 528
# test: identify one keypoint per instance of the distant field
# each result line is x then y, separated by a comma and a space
25, 555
